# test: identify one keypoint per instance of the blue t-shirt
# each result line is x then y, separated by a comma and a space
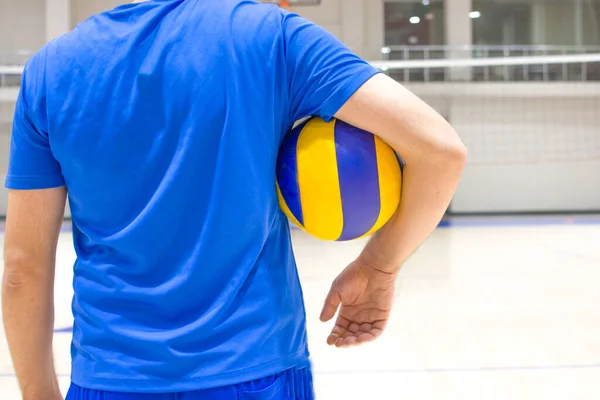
163, 120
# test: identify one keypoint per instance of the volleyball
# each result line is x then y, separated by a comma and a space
337, 182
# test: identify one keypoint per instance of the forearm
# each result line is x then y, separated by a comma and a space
28, 314
427, 191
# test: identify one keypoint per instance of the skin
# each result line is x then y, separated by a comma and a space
33, 223
435, 158
363, 293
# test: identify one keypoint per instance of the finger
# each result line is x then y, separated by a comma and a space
380, 325
336, 333
370, 332
344, 338
351, 340
366, 327
332, 302
354, 328
339, 330
343, 321
366, 337
346, 342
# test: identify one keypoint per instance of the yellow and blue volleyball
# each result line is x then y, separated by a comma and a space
337, 182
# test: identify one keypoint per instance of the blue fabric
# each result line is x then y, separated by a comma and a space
293, 384
163, 119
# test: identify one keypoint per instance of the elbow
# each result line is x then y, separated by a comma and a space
13, 279
14, 276
452, 152
14, 257
455, 160
457, 153
12, 282
19, 270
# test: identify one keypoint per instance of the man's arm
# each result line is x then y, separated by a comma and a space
329, 80
434, 157
32, 227
434, 160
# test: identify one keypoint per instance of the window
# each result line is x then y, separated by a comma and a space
418, 23
537, 22
501, 23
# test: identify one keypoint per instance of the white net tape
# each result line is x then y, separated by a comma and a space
487, 62
514, 110
11, 70
554, 117
442, 63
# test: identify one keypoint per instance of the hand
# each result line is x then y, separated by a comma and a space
366, 295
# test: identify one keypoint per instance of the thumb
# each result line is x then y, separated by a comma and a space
332, 302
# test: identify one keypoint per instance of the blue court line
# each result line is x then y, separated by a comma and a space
452, 222
67, 329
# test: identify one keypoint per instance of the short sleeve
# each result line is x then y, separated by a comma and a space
322, 73
31, 163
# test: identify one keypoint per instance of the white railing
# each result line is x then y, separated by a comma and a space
9, 75
11, 69
474, 63
484, 62
484, 51
491, 63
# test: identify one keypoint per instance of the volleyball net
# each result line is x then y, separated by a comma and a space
531, 124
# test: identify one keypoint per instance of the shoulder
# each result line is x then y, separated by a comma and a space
33, 82
268, 16
249, 15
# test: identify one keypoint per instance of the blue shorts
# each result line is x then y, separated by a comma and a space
293, 384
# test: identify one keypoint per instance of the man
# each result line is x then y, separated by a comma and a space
162, 121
